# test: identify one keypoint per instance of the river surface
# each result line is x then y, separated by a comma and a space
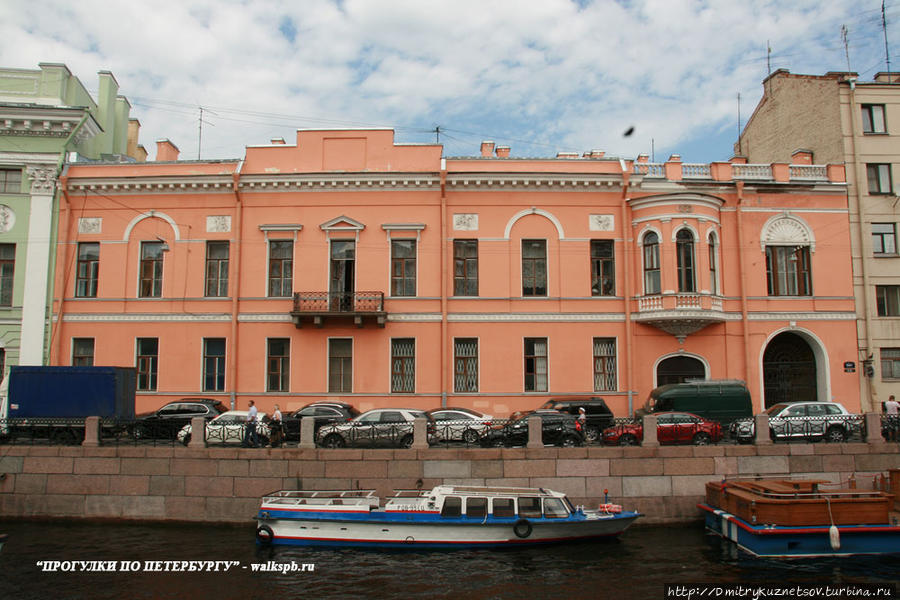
639, 565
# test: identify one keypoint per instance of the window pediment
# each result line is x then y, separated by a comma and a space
787, 230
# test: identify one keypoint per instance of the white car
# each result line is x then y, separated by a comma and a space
392, 427
810, 421
460, 424
229, 428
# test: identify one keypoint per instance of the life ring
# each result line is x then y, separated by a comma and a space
264, 535
522, 528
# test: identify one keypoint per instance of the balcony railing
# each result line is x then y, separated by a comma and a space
318, 306
679, 314
679, 302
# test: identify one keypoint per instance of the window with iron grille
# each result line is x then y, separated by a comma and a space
147, 362
884, 238
887, 300
873, 118
7, 273
281, 268
879, 176
465, 267
535, 364
534, 267
403, 365
403, 267
279, 365
603, 268
684, 251
88, 270
213, 364
340, 365
604, 364
787, 271
82, 352
151, 270
651, 264
216, 269
465, 365
10, 181
890, 363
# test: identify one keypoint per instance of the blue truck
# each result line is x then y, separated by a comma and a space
52, 402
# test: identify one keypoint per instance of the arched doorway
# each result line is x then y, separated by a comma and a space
789, 370
678, 369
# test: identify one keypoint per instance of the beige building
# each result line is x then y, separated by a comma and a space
837, 118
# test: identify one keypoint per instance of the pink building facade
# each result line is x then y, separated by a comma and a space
349, 267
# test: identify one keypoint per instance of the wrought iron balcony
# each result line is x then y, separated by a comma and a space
319, 307
679, 314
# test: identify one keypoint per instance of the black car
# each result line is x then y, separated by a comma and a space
598, 416
324, 413
558, 429
166, 422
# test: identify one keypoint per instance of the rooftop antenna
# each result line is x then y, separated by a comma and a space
846, 41
200, 129
739, 116
652, 150
768, 57
887, 54
437, 134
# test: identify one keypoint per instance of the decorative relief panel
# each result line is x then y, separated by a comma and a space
43, 180
7, 218
218, 224
785, 230
602, 222
90, 225
465, 222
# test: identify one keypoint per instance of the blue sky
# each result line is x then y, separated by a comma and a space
541, 76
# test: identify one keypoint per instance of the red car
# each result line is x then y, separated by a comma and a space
672, 428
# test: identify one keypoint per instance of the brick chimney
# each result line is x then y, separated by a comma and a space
166, 151
502, 151
487, 148
802, 156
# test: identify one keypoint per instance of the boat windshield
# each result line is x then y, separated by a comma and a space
555, 509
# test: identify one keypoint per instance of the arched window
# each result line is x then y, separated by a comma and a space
713, 264
684, 249
788, 243
651, 264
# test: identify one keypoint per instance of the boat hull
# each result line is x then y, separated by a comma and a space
802, 542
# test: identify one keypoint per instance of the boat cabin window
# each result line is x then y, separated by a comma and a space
452, 507
555, 509
503, 507
476, 507
530, 507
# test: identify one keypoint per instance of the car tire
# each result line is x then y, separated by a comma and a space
470, 436
333, 440
569, 441
592, 434
407, 441
628, 439
702, 439
835, 434
140, 432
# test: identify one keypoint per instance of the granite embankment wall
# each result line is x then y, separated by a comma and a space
224, 484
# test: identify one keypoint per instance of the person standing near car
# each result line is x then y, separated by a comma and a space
250, 437
582, 419
892, 412
277, 428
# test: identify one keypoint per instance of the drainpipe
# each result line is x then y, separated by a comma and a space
627, 257
444, 274
234, 279
739, 185
863, 259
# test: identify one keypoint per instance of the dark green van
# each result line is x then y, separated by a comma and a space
722, 400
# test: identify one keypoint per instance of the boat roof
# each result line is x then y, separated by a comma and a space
472, 490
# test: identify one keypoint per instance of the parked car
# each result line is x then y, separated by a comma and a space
460, 424
671, 428
229, 428
323, 413
378, 427
598, 416
558, 429
811, 421
166, 422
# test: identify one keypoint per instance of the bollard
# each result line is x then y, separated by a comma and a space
91, 432
649, 428
420, 433
198, 433
761, 423
307, 432
873, 428
535, 432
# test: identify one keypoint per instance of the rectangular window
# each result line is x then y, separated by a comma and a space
147, 362
403, 365
151, 270
465, 365
535, 364
879, 176
88, 270
787, 271
213, 364
884, 238
603, 268
465, 267
279, 365
82, 352
216, 269
887, 300
403, 267
7, 273
534, 267
873, 118
10, 181
890, 363
281, 268
340, 365
604, 364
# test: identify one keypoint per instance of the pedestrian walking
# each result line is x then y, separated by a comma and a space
892, 418
277, 427
251, 439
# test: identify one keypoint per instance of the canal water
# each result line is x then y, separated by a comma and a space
40, 560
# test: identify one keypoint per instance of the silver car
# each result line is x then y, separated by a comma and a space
460, 424
392, 427
810, 421
229, 428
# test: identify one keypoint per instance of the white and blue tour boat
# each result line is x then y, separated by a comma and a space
447, 516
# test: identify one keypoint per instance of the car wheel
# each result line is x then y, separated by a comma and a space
592, 433
498, 443
702, 439
186, 440
333, 440
628, 440
140, 433
835, 435
570, 441
406, 441
470, 436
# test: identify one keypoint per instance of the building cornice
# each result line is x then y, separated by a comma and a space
45, 121
153, 185
339, 182
534, 181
